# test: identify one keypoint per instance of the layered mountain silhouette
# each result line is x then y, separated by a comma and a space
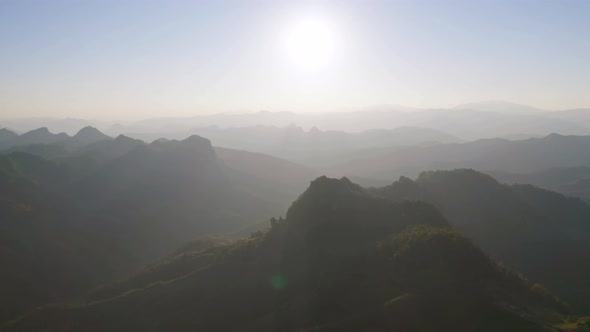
500, 107
469, 121
342, 260
39, 139
571, 181
41, 135
109, 207
530, 155
295, 143
88, 135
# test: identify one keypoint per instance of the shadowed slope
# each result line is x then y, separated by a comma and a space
343, 260
541, 233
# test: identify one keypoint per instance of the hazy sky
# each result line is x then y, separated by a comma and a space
128, 59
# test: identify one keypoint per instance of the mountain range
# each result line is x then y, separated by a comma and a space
343, 259
84, 136
530, 155
543, 234
467, 122
471, 121
373, 157
160, 236
110, 207
296, 144
572, 181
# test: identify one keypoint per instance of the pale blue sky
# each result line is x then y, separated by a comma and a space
130, 59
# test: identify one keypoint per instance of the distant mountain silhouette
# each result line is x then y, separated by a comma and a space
468, 122
579, 115
500, 107
535, 154
88, 135
471, 121
572, 181
296, 144
342, 260
41, 135
94, 155
66, 125
35, 141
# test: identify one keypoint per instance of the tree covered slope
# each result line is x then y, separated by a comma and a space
540, 233
342, 260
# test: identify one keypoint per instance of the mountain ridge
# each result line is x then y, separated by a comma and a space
300, 275
528, 228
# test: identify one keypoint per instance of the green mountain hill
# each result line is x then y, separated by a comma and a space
540, 233
113, 206
342, 260
46, 255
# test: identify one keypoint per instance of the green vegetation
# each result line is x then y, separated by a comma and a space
540, 233
343, 260
108, 208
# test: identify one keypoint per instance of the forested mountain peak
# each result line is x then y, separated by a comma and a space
340, 206
526, 227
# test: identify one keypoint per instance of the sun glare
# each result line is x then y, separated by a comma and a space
310, 43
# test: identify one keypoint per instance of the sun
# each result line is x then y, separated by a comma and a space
310, 43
